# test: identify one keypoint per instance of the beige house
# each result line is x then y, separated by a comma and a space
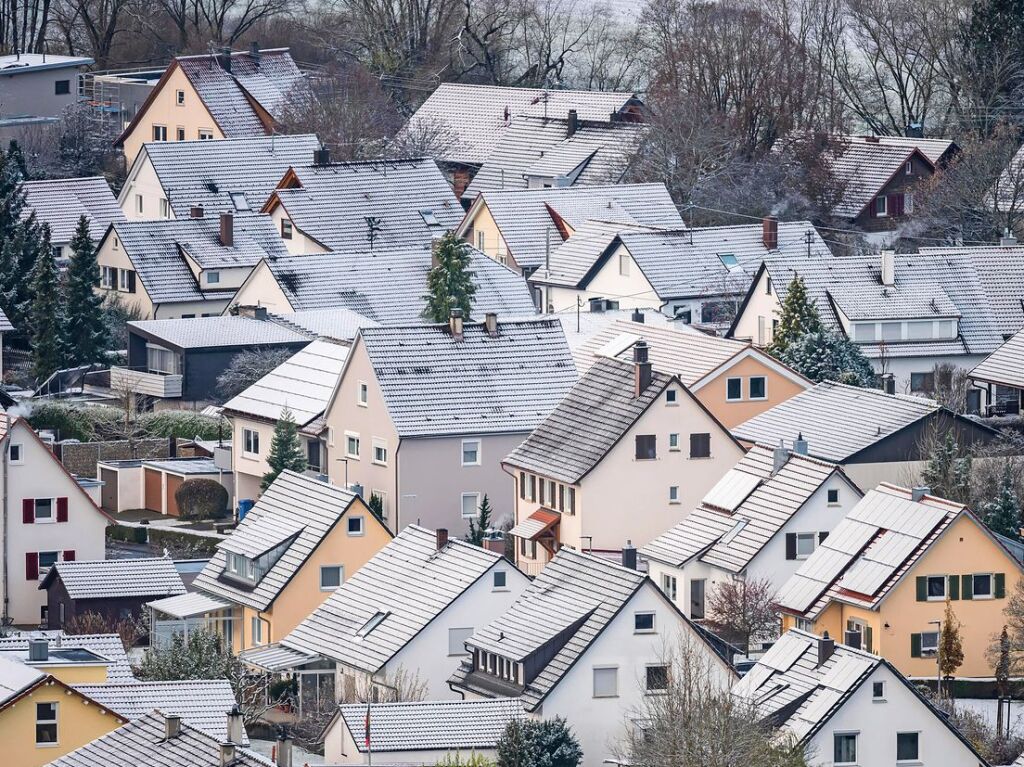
626, 454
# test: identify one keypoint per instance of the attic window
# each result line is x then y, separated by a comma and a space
239, 201
371, 624
429, 218
729, 260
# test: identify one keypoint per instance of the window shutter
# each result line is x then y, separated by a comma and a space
894, 204
790, 545
954, 587
873, 208
822, 537
899, 204
968, 586
922, 589
69, 555
62, 509
915, 645
131, 282
868, 644
1000, 585
28, 511
32, 566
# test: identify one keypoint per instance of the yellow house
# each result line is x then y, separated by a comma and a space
214, 96
881, 579
298, 544
42, 718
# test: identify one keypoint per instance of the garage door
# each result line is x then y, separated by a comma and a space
108, 496
154, 490
173, 483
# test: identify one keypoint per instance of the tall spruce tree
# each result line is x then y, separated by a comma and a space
450, 282
828, 356
20, 242
798, 317
285, 449
88, 338
1003, 515
46, 313
478, 528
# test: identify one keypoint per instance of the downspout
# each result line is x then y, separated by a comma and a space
398, 489
6, 613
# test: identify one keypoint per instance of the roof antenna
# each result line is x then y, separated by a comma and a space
373, 227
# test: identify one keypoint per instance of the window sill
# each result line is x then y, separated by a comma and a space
251, 456
757, 399
879, 700
378, 463
351, 457
44, 521
605, 697
356, 535
645, 631
470, 464
701, 457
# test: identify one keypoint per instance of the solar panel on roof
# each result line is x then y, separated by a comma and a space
731, 490
845, 672
784, 653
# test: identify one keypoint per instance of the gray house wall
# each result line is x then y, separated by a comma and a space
33, 93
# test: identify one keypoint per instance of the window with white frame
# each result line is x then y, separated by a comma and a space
878, 690
624, 264
672, 397
470, 505
331, 577
758, 387
470, 452
356, 525
907, 747
656, 678
880, 205
14, 454
108, 277
47, 559
380, 451
44, 509
500, 580
257, 630
929, 642
213, 278
673, 494
673, 442
250, 442
124, 279
606, 681
351, 445
833, 496
805, 545
909, 168
805, 625
733, 389
179, 98
46, 724
982, 586
643, 622
362, 394
205, 134
844, 747
481, 241
936, 585
670, 585
165, 208
159, 132
286, 229
457, 641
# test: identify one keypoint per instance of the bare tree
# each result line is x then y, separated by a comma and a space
247, 367
23, 25
741, 610
93, 26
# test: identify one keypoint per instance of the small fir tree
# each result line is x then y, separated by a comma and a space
285, 449
544, 743
1002, 515
828, 356
797, 317
951, 649
1002, 675
46, 313
376, 505
948, 471
88, 338
450, 282
478, 528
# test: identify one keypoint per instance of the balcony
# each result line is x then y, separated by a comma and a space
145, 382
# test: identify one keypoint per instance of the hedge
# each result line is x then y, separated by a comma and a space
90, 423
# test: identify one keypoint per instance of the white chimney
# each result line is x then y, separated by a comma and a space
236, 731
889, 268
172, 726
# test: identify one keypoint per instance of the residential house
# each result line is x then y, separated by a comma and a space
522, 228
908, 313
462, 122
43, 718
846, 706
229, 94
304, 385
73, 659
176, 362
542, 152
113, 589
876, 437
188, 267
167, 740
734, 380
1001, 375
423, 414
399, 624
300, 542
60, 203
50, 518
419, 733
695, 275
882, 577
624, 437
36, 88
586, 641
759, 522
372, 205
235, 175
388, 290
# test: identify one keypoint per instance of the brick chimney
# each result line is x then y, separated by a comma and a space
227, 229
196, 211
491, 324
642, 371
573, 125
442, 537
770, 232
455, 324
495, 541
224, 58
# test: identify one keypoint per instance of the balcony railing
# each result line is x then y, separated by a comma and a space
144, 382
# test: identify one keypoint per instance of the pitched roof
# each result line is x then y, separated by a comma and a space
1004, 366
201, 703
212, 174
440, 725
864, 165
295, 508
5, 324
117, 578
750, 499
572, 261
470, 119
389, 600
598, 153
107, 646
16, 678
589, 420
409, 200
337, 324
60, 203
143, 742
529, 219
304, 384
502, 384
837, 420
157, 250
390, 288
227, 330
864, 556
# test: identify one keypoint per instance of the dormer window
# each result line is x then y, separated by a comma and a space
371, 624
251, 569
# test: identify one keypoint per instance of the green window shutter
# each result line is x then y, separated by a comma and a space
954, 586
867, 639
1000, 585
968, 581
915, 645
922, 589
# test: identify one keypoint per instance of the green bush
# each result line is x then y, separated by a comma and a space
183, 424
74, 422
201, 499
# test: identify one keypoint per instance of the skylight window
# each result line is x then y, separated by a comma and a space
239, 201
729, 260
429, 218
371, 624
727, 538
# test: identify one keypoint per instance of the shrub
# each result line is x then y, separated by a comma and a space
201, 499
71, 422
183, 424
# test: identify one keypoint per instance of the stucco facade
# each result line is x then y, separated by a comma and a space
298, 244
779, 385
260, 288
143, 196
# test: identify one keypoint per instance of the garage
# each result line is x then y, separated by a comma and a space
153, 493
164, 477
173, 483
108, 495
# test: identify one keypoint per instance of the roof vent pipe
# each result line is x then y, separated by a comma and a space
917, 494
573, 124
283, 749
888, 268
800, 444
1007, 240
225, 59
779, 457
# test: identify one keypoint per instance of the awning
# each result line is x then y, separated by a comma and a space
274, 657
188, 605
536, 524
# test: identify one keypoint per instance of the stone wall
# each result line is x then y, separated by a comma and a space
80, 458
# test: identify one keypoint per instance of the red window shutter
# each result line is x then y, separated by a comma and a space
69, 555
873, 208
28, 511
900, 203
62, 509
31, 566
894, 204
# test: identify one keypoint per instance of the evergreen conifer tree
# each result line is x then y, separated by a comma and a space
450, 282
798, 316
46, 313
478, 529
828, 356
88, 338
951, 648
948, 472
285, 449
376, 504
1003, 515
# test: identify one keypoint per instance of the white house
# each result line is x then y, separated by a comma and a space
849, 707
762, 519
586, 641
